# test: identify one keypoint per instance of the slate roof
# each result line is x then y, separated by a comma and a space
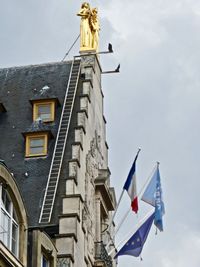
17, 87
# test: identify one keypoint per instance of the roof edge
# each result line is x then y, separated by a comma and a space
38, 65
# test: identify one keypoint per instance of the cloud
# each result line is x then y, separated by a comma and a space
153, 103
186, 252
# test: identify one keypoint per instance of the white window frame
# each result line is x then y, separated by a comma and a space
11, 222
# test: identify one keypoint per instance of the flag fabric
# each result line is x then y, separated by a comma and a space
153, 196
130, 186
159, 205
149, 194
134, 245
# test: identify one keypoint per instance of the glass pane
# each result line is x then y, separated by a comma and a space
5, 228
36, 142
14, 238
5, 200
36, 150
44, 112
8, 226
44, 109
45, 262
45, 116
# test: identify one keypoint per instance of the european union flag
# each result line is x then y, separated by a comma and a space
134, 245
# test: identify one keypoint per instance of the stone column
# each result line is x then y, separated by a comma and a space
98, 219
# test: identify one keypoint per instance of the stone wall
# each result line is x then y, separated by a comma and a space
80, 225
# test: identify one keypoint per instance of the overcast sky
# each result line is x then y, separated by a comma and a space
154, 103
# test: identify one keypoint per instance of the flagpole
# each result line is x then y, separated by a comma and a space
117, 206
128, 211
118, 227
121, 222
120, 198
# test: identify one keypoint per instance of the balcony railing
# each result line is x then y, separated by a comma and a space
102, 254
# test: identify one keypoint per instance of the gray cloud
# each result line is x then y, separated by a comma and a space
153, 103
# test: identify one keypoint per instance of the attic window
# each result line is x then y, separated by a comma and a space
44, 109
36, 144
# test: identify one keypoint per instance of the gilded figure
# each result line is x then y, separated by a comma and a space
85, 30
94, 22
89, 28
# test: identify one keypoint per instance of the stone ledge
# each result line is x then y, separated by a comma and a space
9, 257
83, 111
85, 95
60, 236
80, 127
70, 215
88, 80
72, 178
74, 196
75, 160
90, 66
77, 144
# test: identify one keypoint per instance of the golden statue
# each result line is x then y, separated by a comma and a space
95, 28
89, 29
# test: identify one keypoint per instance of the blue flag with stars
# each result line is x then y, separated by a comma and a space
134, 245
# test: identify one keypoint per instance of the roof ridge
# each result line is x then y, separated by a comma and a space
38, 65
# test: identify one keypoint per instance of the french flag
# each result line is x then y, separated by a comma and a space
130, 186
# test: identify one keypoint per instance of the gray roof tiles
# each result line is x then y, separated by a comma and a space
18, 86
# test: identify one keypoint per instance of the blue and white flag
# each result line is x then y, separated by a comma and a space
153, 196
159, 205
134, 245
149, 194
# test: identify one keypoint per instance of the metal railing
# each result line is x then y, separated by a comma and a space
102, 254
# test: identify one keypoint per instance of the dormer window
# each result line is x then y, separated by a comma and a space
44, 110
36, 144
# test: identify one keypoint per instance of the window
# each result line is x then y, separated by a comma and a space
44, 109
36, 145
9, 228
44, 262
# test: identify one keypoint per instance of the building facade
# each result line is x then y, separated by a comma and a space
55, 195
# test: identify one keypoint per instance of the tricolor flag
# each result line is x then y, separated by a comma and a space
130, 186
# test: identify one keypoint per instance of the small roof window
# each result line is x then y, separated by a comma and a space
36, 144
44, 109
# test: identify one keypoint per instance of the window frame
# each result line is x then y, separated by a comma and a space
32, 136
43, 256
10, 215
45, 102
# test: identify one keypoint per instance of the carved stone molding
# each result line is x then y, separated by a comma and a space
63, 262
94, 162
